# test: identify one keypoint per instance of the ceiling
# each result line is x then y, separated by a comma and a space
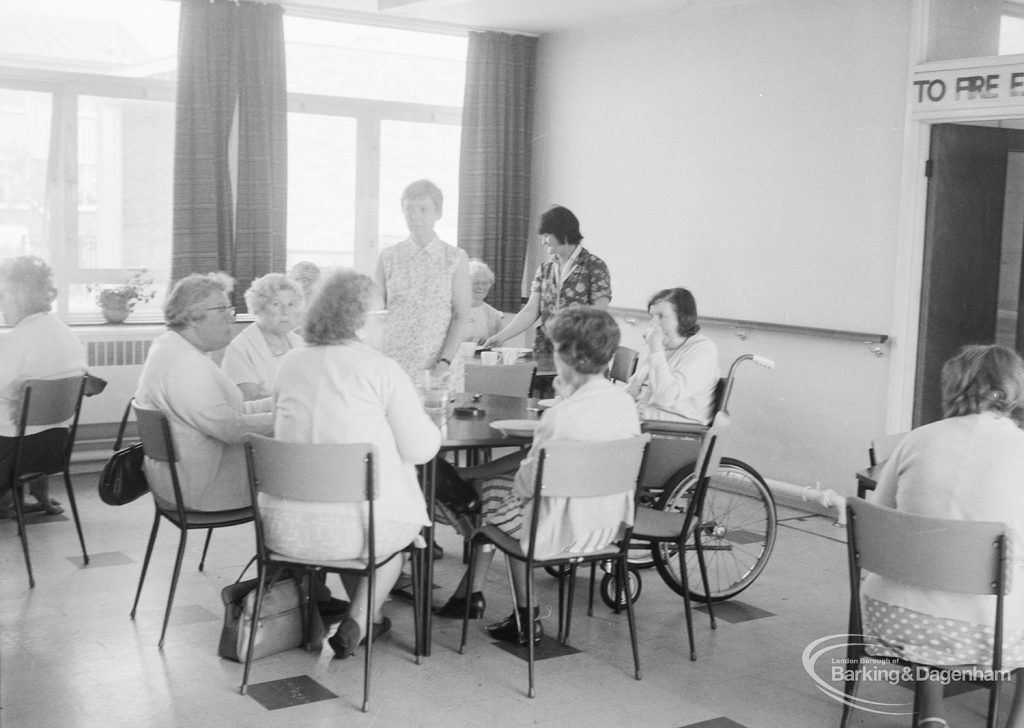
521, 16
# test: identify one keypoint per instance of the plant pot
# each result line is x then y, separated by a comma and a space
116, 313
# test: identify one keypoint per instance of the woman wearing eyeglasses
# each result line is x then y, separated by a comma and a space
254, 356
208, 417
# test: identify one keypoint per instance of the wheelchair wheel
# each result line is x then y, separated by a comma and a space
634, 585
737, 532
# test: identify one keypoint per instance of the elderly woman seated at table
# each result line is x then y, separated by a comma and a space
484, 319
592, 409
677, 375
340, 389
966, 466
39, 346
209, 419
254, 355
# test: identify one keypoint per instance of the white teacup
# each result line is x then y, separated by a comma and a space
509, 356
489, 358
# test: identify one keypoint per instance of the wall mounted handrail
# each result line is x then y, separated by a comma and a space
634, 316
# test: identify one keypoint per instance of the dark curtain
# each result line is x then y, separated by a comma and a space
231, 118
494, 168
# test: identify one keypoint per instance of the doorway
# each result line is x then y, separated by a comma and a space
974, 227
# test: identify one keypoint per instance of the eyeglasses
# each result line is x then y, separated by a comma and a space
230, 310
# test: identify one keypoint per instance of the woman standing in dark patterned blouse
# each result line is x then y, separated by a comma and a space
573, 276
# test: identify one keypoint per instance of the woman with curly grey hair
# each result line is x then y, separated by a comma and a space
38, 346
254, 355
208, 417
340, 389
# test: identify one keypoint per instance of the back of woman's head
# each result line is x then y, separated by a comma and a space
339, 308
30, 280
181, 304
585, 338
685, 306
981, 378
560, 222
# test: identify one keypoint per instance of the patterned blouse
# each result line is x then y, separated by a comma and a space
587, 282
417, 286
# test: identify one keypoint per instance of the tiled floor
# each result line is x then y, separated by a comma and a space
70, 656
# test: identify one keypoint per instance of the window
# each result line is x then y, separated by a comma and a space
370, 110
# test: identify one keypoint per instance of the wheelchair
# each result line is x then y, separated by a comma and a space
737, 523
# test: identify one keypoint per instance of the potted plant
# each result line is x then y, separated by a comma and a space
116, 302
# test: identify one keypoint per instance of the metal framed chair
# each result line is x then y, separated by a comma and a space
623, 364
54, 405
155, 433
671, 444
320, 473
571, 470
508, 380
962, 557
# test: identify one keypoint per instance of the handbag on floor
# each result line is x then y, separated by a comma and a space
122, 479
282, 619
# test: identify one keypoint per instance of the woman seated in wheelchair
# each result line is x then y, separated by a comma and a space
677, 375
593, 409
967, 466
339, 389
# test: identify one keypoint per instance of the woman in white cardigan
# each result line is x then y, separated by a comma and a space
338, 389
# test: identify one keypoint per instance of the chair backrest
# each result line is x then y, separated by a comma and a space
51, 401
320, 473
964, 557
572, 469
673, 446
623, 364
155, 433
882, 447
509, 380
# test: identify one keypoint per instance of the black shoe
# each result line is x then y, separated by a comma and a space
508, 629
438, 552
379, 628
345, 640
333, 609
455, 607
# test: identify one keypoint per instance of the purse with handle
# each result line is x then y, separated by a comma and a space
122, 479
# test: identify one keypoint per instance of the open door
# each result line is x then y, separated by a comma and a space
963, 234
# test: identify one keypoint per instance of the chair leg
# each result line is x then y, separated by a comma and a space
530, 647
469, 590
567, 610
260, 586
850, 691
687, 605
563, 573
368, 657
145, 561
622, 581
703, 574
590, 598
16, 495
419, 602
174, 584
74, 511
202, 559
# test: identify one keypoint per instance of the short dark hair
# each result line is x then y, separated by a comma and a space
980, 378
31, 280
685, 306
560, 222
339, 308
585, 337
424, 188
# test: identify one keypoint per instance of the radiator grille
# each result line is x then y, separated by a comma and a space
117, 353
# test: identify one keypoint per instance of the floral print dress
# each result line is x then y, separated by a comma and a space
417, 285
588, 281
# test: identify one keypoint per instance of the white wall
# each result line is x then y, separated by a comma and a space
750, 152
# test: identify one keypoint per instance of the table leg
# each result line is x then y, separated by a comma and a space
427, 581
